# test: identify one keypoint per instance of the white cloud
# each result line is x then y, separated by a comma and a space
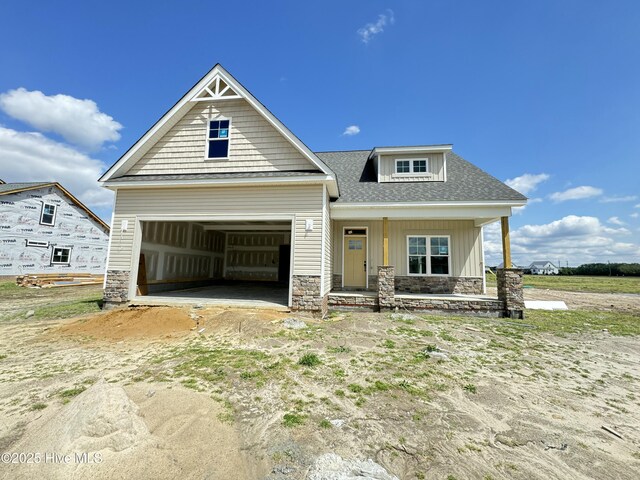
616, 199
530, 201
371, 29
78, 121
616, 221
31, 157
351, 130
528, 182
637, 206
577, 239
635, 215
576, 193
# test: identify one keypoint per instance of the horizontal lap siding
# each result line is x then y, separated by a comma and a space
255, 145
466, 245
303, 201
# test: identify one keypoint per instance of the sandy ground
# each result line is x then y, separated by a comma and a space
425, 397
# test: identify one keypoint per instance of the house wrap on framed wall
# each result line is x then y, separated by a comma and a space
45, 229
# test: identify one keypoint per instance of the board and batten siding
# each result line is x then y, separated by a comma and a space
465, 248
305, 202
254, 144
436, 173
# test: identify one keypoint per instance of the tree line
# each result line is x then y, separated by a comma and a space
604, 269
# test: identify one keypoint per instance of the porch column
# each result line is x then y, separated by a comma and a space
386, 287
385, 240
506, 243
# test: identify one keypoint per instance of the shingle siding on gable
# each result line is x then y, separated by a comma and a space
255, 145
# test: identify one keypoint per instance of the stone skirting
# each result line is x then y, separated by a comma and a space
511, 291
386, 287
346, 301
482, 308
116, 290
305, 294
439, 285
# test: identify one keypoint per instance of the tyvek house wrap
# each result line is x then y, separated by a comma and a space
20, 222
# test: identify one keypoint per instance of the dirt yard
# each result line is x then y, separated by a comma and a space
247, 394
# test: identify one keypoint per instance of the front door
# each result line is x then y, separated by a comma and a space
355, 260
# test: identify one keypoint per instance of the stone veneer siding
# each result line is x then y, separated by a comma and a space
511, 291
435, 285
483, 308
386, 287
116, 288
305, 294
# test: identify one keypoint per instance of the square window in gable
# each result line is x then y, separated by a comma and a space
218, 138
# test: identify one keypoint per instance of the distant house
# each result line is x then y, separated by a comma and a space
45, 229
543, 268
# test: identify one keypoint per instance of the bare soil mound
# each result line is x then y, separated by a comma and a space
132, 323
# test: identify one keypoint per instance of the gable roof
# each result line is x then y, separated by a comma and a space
358, 182
204, 91
7, 188
541, 264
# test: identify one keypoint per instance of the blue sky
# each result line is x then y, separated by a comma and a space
542, 93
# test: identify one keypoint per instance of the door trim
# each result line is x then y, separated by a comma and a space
366, 235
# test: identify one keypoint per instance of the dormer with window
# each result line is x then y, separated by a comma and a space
410, 164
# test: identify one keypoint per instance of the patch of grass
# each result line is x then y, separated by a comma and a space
72, 392
70, 309
2, 357
291, 420
339, 393
38, 406
355, 388
471, 388
431, 348
389, 344
339, 349
9, 287
447, 337
324, 423
309, 360
578, 321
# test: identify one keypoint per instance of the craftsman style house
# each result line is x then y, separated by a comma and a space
220, 193
45, 229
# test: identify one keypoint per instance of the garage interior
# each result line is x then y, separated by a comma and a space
232, 263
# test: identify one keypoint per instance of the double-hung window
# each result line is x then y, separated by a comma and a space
418, 166
61, 255
428, 255
48, 214
218, 138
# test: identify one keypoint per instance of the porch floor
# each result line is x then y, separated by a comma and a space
229, 294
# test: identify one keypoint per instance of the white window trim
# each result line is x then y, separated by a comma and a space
411, 172
428, 241
53, 252
55, 213
206, 145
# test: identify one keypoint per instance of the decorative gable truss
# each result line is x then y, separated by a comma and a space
216, 90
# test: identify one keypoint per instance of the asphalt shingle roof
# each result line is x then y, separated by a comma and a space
11, 187
358, 183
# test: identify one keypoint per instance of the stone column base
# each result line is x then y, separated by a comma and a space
386, 287
116, 290
305, 294
511, 291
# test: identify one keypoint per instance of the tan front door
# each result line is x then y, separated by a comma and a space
355, 261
